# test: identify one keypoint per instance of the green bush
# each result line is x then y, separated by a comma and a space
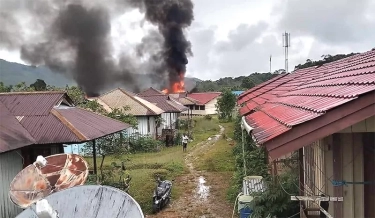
144, 144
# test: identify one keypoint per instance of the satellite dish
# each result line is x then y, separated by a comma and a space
90, 201
52, 174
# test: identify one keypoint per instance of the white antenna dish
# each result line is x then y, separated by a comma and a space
90, 201
47, 175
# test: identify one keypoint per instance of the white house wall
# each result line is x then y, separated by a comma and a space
10, 165
170, 120
210, 107
143, 126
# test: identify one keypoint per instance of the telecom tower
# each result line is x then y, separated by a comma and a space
286, 45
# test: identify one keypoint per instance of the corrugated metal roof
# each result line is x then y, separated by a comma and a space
19, 129
306, 94
204, 97
29, 103
150, 91
165, 103
91, 125
119, 98
48, 129
12, 134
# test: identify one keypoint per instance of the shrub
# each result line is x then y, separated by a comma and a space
208, 117
275, 200
144, 144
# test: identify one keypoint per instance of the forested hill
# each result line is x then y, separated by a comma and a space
247, 82
234, 84
325, 59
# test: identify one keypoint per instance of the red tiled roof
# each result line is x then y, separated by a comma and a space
289, 100
48, 121
204, 97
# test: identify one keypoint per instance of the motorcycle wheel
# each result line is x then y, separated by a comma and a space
155, 208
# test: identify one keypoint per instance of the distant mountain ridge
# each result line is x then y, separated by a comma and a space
14, 73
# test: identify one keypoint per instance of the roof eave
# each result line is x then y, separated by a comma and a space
333, 121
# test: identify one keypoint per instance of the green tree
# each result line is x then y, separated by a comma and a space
39, 85
22, 87
4, 88
226, 104
247, 83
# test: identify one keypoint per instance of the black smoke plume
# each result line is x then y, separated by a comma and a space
172, 17
73, 37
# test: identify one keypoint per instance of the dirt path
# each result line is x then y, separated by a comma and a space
199, 199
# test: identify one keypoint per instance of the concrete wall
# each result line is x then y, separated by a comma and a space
10, 165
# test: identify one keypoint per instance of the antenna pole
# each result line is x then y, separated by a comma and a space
286, 45
270, 63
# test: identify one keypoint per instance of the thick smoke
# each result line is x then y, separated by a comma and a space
172, 17
74, 38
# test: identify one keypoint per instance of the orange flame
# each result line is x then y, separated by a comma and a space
177, 87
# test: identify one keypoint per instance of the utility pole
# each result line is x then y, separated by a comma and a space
270, 63
286, 45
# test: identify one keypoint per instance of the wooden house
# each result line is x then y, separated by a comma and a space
326, 114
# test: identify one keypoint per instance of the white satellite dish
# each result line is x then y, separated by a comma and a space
90, 201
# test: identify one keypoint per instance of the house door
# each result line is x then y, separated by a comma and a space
369, 166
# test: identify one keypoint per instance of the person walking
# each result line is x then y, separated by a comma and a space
184, 142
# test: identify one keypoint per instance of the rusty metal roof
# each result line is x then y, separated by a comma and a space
287, 101
48, 121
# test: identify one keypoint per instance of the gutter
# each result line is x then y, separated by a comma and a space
246, 126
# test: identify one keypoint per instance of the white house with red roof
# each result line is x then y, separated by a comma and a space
326, 114
205, 103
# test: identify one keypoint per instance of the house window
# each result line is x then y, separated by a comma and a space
196, 107
191, 107
202, 108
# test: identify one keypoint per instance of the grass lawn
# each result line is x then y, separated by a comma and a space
220, 158
169, 163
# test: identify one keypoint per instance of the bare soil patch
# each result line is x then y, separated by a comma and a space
204, 192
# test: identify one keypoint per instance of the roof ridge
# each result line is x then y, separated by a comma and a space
70, 126
133, 97
148, 108
33, 92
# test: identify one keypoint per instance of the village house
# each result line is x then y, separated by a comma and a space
172, 111
202, 103
148, 114
327, 114
40, 123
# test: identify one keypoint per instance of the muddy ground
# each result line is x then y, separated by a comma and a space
204, 192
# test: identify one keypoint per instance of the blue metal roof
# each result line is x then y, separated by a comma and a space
237, 92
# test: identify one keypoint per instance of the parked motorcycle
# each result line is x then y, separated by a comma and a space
162, 194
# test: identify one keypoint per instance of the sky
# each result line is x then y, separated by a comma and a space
236, 38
